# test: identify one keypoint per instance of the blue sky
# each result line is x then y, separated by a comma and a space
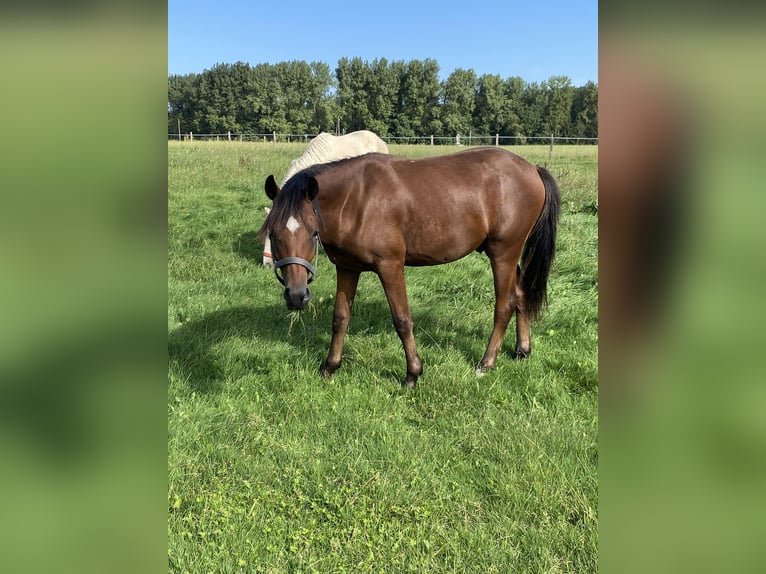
531, 39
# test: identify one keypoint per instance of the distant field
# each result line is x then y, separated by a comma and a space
273, 469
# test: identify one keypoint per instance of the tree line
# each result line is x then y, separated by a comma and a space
393, 99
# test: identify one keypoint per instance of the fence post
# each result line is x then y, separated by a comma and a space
550, 149
497, 139
432, 140
229, 134
274, 136
191, 137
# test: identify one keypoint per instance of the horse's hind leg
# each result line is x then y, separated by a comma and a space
504, 270
523, 337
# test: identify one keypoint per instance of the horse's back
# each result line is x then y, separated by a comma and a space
467, 175
461, 178
361, 142
490, 181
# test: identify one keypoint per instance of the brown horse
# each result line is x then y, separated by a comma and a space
381, 212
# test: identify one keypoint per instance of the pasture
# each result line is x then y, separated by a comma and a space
273, 469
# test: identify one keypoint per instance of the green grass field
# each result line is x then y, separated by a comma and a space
273, 469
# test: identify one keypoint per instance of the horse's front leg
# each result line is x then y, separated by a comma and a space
345, 292
392, 279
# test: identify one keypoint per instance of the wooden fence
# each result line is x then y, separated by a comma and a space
458, 139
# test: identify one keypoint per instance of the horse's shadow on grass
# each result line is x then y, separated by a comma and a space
249, 246
203, 352
198, 350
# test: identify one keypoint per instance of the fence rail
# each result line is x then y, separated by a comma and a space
468, 140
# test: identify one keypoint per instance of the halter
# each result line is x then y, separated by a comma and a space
312, 269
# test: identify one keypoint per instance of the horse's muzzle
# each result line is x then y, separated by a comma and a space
297, 299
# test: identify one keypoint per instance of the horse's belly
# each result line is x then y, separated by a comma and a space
439, 251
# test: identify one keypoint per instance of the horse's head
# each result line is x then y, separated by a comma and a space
293, 227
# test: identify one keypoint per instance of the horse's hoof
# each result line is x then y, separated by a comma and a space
522, 354
482, 369
326, 370
325, 373
409, 384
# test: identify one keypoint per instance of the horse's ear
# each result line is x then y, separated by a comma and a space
272, 189
312, 188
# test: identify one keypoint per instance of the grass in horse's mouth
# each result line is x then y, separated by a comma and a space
295, 316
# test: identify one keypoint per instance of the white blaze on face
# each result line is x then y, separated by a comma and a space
292, 224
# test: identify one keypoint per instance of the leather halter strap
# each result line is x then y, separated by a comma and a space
312, 269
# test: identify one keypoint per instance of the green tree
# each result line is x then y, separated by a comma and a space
182, 101
585, 111
324, 105
514, 97
261, 100
419, 99
383, 93
491, 114
222, 91
354, 79
458, 102
250, 105
558, 112
391, 98
273, 105
296, 83
532, 110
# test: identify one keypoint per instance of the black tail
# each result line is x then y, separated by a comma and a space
540, 248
